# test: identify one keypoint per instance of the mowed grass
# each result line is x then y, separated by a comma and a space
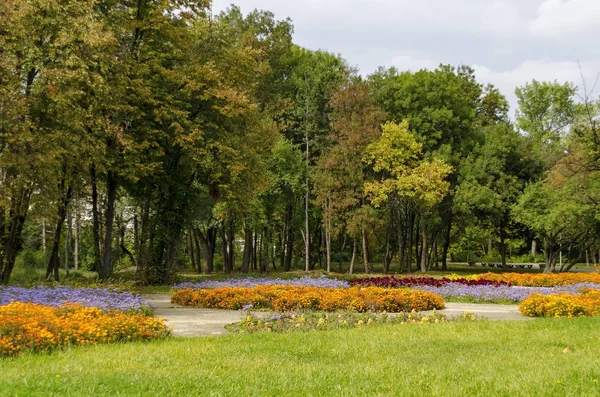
544, 357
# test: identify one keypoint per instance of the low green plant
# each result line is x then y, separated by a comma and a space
321, 321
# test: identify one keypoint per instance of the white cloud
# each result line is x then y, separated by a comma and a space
506, 81
404, 62
560, 19
508, 42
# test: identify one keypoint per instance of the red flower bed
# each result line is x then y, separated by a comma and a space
393, 282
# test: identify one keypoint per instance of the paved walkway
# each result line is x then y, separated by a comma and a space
188, 321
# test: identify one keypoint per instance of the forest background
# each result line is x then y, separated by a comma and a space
155, 135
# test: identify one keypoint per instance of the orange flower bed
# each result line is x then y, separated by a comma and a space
562, 305
285, 298
542, 280
33, 327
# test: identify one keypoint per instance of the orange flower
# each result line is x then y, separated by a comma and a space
285, 298
29, 326
542, 280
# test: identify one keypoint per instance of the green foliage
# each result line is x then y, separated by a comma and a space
321, 321
545, 112
31, 258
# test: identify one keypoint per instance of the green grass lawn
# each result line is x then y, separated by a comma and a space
451, 359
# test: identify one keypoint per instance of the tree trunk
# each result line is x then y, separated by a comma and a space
503, 247
231, 244
411, 221
144, 245
136, 241
54, 262
247, 256
351, 270
68, 240
550, 255
77, 237
289, 240
365, 249
266, 250
255, 252
191, 250
433, 256
208, 242
342, 246
387, 258
424, 248
447, 242
401, 240
198, 250
12, 241
111, 196
97, 267
227, 236
533, 249
43, 235
328, 243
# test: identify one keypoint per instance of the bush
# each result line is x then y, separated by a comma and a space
542, 280
562, 305
32, 327
320, 321
32, 259
286, 298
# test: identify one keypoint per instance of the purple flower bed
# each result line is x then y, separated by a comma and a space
393, 282
488, 293
249, 282
57, 296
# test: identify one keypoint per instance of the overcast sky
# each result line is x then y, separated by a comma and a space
507, 42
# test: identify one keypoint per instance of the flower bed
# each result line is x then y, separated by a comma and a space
562, 305
249, 282
393, 282
286, 298
502, 293
60, 295
542, 280
35, 327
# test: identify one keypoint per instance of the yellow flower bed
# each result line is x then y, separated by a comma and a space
285, 298
33, 327
542, 280
562, 305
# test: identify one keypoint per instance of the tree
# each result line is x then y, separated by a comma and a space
545, 112
493, 177
442, 107
396, 157
339, 176
45, 68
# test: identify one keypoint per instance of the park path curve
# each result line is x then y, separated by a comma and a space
190, 321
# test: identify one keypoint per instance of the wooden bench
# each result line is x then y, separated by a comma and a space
509, 265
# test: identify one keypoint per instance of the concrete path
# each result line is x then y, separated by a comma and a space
188, 321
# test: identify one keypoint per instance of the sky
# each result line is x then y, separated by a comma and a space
507, 42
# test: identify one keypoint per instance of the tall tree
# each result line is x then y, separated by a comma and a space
338, 176
397, 158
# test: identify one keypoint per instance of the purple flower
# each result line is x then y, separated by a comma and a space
487, 293
249, 282
57, 296
245, 308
